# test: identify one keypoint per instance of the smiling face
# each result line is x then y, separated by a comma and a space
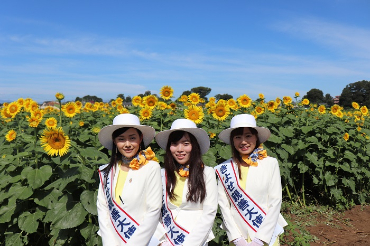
128, 143
245, 142
181, 150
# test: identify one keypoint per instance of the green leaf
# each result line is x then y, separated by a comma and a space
332, 130
275, 139
330, 179
225, 152
302, 167
14, 239
289, 131
283, 154
29, 222
349, 155
47, 198
71, 218
306, 129
88, 199
89, 231
7, 211
37, 177
288, 148
20, 192
209, 158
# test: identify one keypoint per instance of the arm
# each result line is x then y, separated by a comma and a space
274, 203
153, 193
230, 226
198, 235
106, 230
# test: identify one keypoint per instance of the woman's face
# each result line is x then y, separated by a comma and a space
246, 142
181, 150
128, 143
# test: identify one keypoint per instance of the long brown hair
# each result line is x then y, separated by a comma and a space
116, 155
196, 185
235, 152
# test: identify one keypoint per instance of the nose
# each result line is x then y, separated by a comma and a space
180, 148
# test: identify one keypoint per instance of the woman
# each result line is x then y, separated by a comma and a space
189, 187
130, 193
249, 186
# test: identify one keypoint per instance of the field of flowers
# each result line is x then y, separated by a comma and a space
49, 156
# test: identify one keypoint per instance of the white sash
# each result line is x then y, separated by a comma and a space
124, 225
248, 209
174, 233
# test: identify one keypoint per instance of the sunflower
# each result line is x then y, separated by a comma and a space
183, 98
55, 142
364, 110
271, 106
59, 96
322, 109
20, 101
339, 114
34, 122
37, 114
88, 106
81, 123
34, 106
334, 109
221, 111
296, 94
11, 135
166, 92
70, 109
95, 130
194, 98
78, 104
231, 103
346, 136
5, 114
212, 134
259, 110
305, 101
212, 99
287, 100
14, 108
278, 101
145, 113
244, 101
162, 105
113, 103
119, 100
124, 111
355, 105
150, 101
51, 122
210, 104
261, 96
119, 107
194, 113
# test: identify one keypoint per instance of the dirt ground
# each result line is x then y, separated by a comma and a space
351, 227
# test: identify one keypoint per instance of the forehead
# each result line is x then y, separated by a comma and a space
129, 132
184, 137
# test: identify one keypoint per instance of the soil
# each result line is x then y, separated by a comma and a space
352, 227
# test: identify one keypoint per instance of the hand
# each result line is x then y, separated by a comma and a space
256, 242
240, 242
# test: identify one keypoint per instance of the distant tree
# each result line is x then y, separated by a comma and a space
78, 99
186, 93
89, 98
121, 96
146, 93
128, 99
356, 92
202, 91
328, 100
223, 96
315, 96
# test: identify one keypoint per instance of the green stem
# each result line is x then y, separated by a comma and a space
303, 193
36, 159
60, 113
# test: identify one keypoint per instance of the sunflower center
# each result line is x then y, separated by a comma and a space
57, 141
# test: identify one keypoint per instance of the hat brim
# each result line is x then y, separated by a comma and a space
201, 136
263, 134
105, 134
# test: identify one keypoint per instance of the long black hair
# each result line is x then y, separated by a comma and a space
116, 155
196, 184
235, 152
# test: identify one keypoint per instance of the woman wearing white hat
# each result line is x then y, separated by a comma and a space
249, 186
130, 193
189, 187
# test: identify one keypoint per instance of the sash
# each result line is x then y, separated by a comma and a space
248, 209
175, 234
124, 225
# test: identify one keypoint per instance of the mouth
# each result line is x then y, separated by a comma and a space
180, 157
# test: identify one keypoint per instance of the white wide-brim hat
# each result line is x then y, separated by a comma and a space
125, 120
244, 120
186, 126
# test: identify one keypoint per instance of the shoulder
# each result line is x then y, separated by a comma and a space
103, 166
151, 165
208, 170
269, 162
227, 162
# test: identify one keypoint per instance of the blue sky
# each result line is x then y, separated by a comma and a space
105, 48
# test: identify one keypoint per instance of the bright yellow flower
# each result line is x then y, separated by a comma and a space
211, 104
278, 101
95, 130
287, 100
322, 109
136, 101
34, 122
55, 142
232, 104
335, 108
124, 111
259, 110
14, 108
296, 94
51, 122
166, 92
221, 111
355, 105
212, 134
346, 136
119, 107
194, 98
145, 113
364, 110
37, 114
34, 106
244, 101
261, 96
271, 106
358, 128
113, 103
11, 135
339, 114
183, 98
172, 106
162, 105
212, 99
202, 100
4, 113
305, 101
194, 113
78, 104
119, 101
59, 96
70, 109
81, 123
20, 101
150, 101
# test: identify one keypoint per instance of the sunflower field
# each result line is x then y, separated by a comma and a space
49, 156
